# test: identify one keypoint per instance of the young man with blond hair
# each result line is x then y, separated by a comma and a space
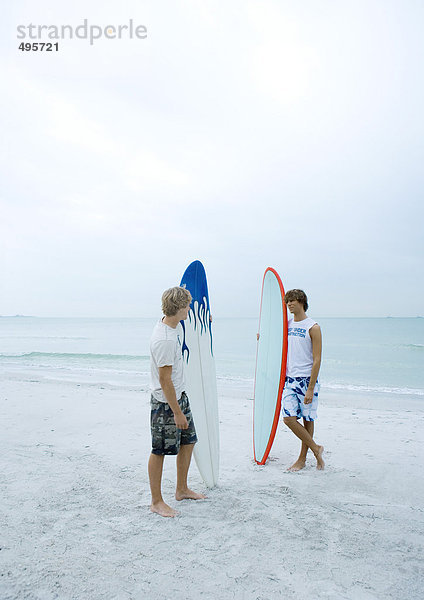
300, 395
171, 422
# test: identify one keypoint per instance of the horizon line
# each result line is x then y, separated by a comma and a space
18, 316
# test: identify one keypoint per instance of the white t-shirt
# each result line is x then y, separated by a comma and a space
299, 356
166, 350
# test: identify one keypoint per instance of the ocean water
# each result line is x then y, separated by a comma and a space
371, 356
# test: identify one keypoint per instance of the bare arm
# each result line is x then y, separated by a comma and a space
316, 338
171, 397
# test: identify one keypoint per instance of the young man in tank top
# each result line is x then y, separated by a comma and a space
300, 396
171, 422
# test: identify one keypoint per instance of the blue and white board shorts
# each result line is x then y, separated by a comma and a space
293, 399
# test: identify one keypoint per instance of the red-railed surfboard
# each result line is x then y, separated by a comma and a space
271, 361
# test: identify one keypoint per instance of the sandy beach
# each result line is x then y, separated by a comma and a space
75, 519
148, 145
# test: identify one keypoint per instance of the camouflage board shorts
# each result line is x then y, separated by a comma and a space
166, 438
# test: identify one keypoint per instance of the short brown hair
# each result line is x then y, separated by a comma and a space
298, 295
174, 299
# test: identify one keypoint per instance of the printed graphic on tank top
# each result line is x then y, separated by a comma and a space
299, 356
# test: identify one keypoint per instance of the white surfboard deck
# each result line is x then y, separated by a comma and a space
200, 374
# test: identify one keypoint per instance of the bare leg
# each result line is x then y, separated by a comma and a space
183, 492
155, 476
301, 461
303, 433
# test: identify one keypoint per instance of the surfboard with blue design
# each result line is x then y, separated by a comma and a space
271, 360
200, 373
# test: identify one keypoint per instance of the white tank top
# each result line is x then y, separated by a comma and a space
299, 356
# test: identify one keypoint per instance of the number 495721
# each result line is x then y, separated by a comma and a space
39, 47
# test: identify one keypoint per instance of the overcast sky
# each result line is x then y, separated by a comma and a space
245, 134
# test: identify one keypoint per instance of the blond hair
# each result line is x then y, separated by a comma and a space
174, 299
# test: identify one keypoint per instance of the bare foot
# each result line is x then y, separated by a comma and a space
318, 456
188, 495
163, 509
297, 466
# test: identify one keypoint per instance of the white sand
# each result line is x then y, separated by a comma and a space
75, 522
